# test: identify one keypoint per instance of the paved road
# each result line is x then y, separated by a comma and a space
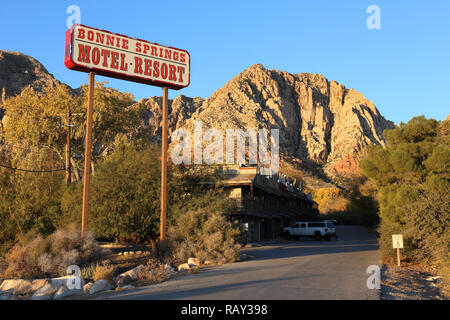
303, 269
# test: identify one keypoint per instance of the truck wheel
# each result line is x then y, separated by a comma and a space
317, 236
287, 235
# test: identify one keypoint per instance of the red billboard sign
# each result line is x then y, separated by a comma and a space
118, 56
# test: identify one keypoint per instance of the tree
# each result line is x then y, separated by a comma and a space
34, 139
412, 178
125, 194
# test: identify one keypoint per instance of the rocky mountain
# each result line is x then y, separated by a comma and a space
18, 71
180, 109
321, 122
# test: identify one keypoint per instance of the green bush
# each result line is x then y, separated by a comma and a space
413, 178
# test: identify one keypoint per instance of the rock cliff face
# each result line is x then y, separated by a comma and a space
18, 71
180, 109
320, 121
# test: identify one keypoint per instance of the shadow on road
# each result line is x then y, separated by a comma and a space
144, 293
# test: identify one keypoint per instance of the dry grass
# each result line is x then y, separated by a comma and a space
37, 257
153, 272
104, 273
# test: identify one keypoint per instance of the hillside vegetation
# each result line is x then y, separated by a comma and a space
37, 203
412, 178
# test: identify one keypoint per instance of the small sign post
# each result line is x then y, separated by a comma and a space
114, 55
397, 243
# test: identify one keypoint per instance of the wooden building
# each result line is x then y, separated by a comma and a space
266, 204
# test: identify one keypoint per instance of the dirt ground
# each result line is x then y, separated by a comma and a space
410, 282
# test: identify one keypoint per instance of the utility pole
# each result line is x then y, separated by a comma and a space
68, 116
165, 106
68, 166
3, 96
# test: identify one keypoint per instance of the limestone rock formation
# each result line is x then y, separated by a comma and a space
320, 121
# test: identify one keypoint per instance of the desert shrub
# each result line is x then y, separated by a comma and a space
34, 256
87, 272
153, 271
104, 272
206, 235
178, 252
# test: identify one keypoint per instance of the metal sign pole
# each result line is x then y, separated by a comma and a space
87, 155
165, 106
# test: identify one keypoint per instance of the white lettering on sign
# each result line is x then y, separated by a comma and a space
397, 241
118, 56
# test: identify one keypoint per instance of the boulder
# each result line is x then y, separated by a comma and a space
16, 286
183, 267
99, 286
47, 291
66, 292
87, 287
41, 297
169, 269
37, 286
133, 273
64, 281
193, 262
121, 282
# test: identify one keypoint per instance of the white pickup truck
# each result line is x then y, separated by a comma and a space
315, 229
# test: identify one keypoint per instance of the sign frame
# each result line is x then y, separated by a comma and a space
397, 241
71, 64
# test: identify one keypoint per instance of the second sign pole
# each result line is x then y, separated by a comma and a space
87, 154
165, 107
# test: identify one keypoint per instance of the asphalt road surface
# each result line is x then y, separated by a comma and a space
284, 270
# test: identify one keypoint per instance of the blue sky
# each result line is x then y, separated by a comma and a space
403, 68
